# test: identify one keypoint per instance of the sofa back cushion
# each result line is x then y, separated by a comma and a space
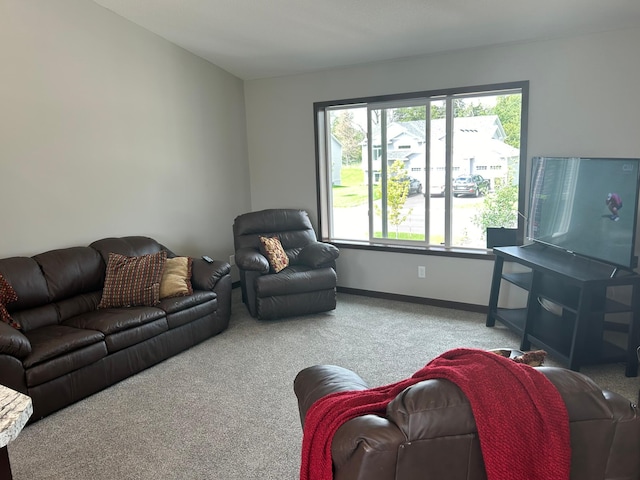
134, 246
70, 272
32, 309
292, 227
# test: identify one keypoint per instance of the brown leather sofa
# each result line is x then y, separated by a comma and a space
307, 285
69, 349
428, 432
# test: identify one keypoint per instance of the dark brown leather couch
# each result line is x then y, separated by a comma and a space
307, 285
68, 349
428, 432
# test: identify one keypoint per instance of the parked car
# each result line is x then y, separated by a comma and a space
415, 186
475, 185
437, 190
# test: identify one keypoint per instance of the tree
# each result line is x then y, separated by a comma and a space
351, 137
409, 114
499, 208
508, 108
397, 193
461, 109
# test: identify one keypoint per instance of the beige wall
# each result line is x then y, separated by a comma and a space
584, 100
109, 130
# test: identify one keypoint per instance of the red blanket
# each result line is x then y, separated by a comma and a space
522, 421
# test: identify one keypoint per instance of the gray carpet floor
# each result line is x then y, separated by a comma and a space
225, 409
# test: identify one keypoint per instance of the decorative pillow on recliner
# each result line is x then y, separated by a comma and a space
133, 281
271, 248
7, 295
176, 277
317, 254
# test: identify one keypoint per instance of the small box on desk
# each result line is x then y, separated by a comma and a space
501, 237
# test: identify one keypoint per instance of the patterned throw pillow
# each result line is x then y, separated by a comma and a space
176, 277
272, 249
7, 295
133, 281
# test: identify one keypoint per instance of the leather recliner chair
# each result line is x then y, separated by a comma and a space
429, 433
307, 285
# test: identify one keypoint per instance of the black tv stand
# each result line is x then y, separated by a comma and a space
574, 330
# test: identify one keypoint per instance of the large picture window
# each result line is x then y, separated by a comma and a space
428, 169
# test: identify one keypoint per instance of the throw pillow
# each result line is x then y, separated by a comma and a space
132, 281
176, 277
7, 295
533, 358
272, 249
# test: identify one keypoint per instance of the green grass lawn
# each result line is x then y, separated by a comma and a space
402, 236
353, 189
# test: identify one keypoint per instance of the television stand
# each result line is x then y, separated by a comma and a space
576, 331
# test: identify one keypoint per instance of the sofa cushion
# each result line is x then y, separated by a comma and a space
296, 279
71, 271
187, 315
64, 364
176, 277
7, 295
54, 340
134, 246
132, 336
132, 281
13, 342
293, 228
112, 320
32, 318
271, 248
86, 302
176, 304
26, 278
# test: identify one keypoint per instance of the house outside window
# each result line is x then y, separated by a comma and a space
434, 169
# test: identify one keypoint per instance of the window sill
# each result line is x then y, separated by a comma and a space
477, 254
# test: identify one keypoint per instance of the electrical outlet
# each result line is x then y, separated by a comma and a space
232, 259
422, 273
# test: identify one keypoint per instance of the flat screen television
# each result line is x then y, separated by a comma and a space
586, 206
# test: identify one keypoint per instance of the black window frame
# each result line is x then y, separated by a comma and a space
319, 109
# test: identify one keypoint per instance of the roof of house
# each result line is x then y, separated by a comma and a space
487, 126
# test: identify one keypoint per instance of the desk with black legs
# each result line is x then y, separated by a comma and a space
585, 306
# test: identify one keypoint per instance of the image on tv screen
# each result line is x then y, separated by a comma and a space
586, 206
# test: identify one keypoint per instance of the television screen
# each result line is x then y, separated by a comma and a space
585, 206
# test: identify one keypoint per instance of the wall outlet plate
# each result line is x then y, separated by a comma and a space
422, 272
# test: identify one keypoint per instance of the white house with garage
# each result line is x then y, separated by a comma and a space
478, 148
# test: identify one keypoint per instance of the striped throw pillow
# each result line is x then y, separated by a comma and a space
132, 281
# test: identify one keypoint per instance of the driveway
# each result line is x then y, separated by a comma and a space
352, 223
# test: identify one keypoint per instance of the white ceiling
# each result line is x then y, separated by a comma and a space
267, 38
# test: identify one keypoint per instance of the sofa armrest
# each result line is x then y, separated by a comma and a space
251, 259
318, 381
318, 254
369, 445
205, 275
624, 460
13, 342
